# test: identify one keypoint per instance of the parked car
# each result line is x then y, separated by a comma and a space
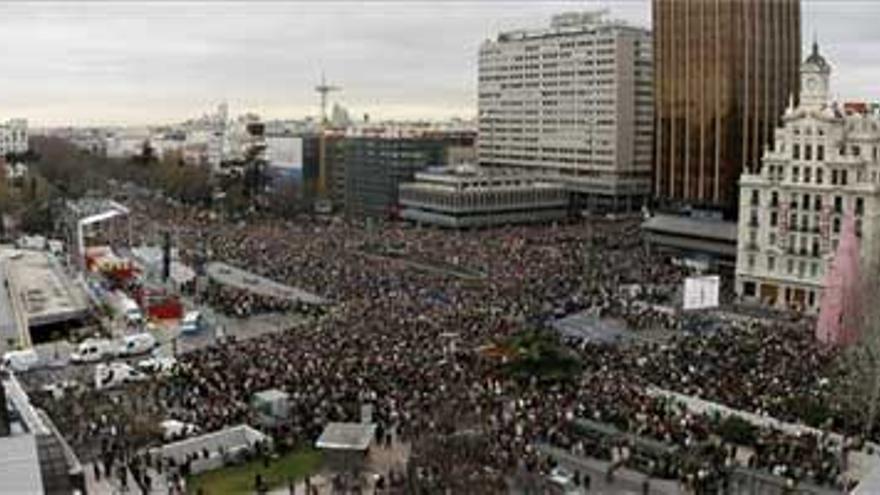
192, 322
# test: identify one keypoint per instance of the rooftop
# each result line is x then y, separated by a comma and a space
47, 295
346, 436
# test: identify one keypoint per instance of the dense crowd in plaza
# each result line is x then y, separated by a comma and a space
409, 342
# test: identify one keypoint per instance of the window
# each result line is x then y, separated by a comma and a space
802, 269
774, 199
818, 203
771, 238
749, 289
815, 250
795, 174
836, 229
805, 203
843, 177
808, 153
859, 228
790, 267
808, 175
820, 153
771, 263
750, 261
796, 151
773, 219
856, 151
814, 269
756, 197
838, 204
819, 175
860, 206
834, 177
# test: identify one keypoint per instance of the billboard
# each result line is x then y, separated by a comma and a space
701, 292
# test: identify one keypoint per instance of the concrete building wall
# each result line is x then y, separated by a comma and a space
563, 101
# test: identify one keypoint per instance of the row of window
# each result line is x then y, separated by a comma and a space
805, 200
798, 268
838, 176
854, 150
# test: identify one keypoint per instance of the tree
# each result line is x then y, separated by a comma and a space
858, 319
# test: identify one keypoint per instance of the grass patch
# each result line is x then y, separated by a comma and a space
240, 479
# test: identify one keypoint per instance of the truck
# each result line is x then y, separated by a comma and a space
126, 308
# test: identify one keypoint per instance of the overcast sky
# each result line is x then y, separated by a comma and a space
152, 62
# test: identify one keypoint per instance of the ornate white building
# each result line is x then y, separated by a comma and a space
824, 166
13, 137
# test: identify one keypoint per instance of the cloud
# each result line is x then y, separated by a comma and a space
147, 62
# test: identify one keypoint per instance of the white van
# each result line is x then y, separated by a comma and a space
21, 360
132, 313
138, 343
91, 350
126, 308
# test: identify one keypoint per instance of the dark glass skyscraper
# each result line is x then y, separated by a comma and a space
724, 73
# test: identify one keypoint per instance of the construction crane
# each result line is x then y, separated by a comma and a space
323, 89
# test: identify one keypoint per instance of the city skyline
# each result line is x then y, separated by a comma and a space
146, 63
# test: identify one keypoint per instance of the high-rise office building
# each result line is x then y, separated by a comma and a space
725, 70
572, 103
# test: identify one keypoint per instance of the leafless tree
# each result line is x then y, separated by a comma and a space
862, 360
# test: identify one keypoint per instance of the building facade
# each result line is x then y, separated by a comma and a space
572, 103
824, 166
13, 137
724, 73
366, 167
465, 196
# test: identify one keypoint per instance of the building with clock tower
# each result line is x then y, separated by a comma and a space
824, 166
815, 79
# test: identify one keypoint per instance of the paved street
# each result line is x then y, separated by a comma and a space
624, 482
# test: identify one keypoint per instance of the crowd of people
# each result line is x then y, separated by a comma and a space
405, 340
